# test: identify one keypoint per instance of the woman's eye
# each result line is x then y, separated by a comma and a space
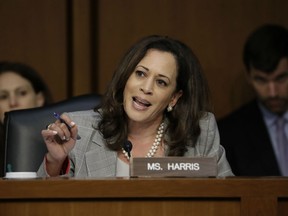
140, 73
22, 93
3, 97
162, 82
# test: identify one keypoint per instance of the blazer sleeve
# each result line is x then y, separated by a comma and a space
208, 144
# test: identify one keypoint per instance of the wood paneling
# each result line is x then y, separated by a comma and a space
77, 44
145, 196
120, 207
215, 30
34, 32
82, 47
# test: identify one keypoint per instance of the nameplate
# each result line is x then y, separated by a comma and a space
174, 167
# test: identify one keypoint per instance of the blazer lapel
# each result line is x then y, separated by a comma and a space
100, 161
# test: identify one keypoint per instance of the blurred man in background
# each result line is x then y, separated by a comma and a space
255, 135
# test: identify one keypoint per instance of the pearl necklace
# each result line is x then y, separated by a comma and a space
155, 144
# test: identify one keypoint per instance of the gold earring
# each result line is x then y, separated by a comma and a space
169, 108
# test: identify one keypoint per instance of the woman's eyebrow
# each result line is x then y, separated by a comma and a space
163, 76
142, 67
160, 75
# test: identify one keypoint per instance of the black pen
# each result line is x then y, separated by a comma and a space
57, 116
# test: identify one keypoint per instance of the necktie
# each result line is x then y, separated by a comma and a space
282, 146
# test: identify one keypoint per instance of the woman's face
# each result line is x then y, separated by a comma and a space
17, 92
151, 87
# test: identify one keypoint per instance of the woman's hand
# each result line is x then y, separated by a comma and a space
60, 139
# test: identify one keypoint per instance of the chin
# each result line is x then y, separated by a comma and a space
137, 118
277, 111
133, 116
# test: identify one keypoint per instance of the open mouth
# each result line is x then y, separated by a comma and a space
141, 102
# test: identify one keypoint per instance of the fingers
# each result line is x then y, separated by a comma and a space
48, 126
65, 128
67, 120
48, 134
57, 128
67, 124
57, 139
57, 149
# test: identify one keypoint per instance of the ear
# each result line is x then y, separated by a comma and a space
40, 100
175, 98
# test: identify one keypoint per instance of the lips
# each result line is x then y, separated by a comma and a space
141, 102
275, 102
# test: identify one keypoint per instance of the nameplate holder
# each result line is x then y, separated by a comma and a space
173, 167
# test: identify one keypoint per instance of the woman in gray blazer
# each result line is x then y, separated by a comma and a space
157, 105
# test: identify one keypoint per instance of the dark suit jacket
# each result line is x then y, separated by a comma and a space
245, 138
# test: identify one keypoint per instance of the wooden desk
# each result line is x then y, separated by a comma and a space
145, 196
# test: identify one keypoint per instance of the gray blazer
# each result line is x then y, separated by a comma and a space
91, 158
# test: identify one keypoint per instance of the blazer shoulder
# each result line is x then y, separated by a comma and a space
85, 118
208, 121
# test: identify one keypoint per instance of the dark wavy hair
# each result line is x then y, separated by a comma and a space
183, 122
265, 47
31, 75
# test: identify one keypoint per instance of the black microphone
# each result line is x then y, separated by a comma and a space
127, 146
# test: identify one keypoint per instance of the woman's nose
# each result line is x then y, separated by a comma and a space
147, 87
13, 101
